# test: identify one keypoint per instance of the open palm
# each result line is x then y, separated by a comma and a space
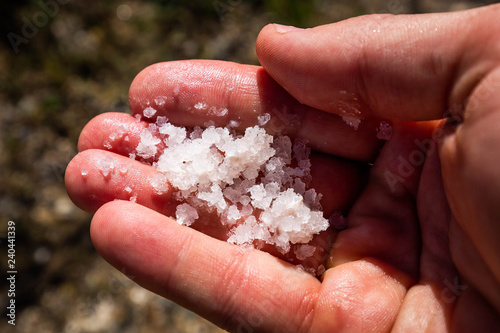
420, 250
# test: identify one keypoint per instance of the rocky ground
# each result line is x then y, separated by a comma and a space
75, 63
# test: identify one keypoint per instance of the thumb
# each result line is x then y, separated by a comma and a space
406, 68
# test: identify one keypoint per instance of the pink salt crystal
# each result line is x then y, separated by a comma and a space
384, 131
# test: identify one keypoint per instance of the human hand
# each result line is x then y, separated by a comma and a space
419, 252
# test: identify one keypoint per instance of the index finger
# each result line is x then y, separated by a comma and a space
192, 92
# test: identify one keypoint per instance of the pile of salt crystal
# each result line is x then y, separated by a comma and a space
255, 183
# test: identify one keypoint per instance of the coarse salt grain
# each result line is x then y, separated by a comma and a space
351, 121
264, 119
149, 112
246, 178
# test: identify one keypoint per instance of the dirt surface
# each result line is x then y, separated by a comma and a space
59, 67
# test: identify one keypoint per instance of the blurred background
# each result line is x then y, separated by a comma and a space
62, 63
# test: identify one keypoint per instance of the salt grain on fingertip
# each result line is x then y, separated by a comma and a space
84, 172
352, 121
105, 166
149, 112
200, 106
128, 189
160, 100
159, 183
264, 119
186, 214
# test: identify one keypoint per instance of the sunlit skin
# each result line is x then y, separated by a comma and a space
421, 251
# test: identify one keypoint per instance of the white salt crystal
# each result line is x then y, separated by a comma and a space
248, 231
233, 123
128, 189
351, 121
214, 198
292, 219
384, 131
84, 172
232, 215
107, 145
186, 214
161, 120
196, 133
138, 118
264, 119
247, 210
219, 112
152, 128
123, 169
132, 156
159, 183
147, 146
133, 198
106, 166
200, 106
209, 123
176, 135
304, 251
113, 136
222, 112
160, 100
126, 138
260, 197
149, 112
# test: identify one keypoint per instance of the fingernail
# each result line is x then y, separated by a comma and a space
282, 29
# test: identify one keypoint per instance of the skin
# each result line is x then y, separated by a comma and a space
421, 250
